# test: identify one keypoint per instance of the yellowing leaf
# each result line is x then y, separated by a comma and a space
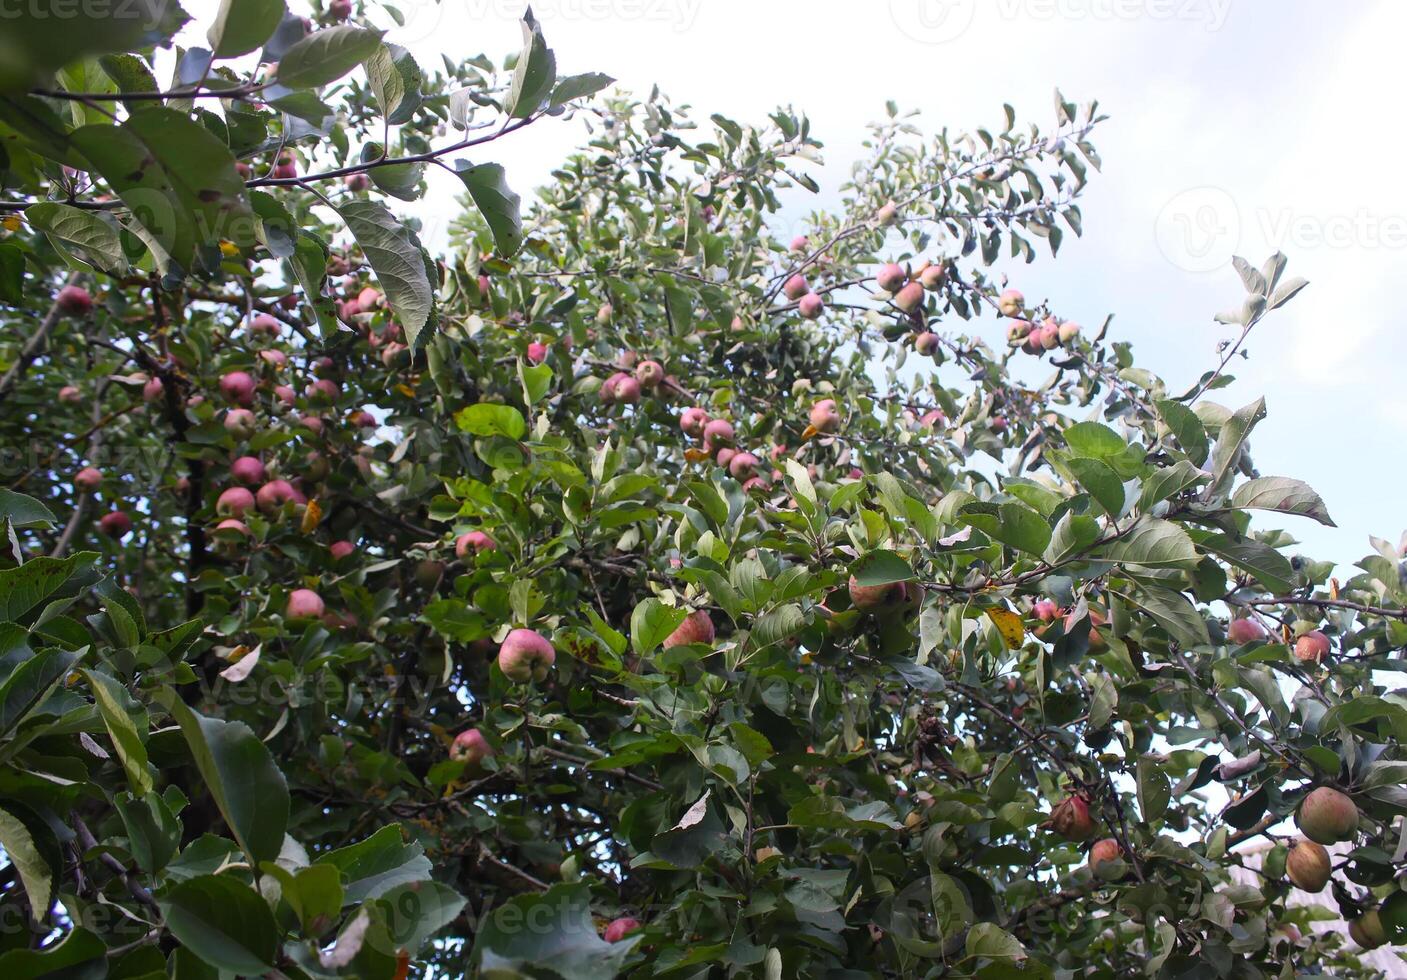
1008, 624
312, 515
228, 248
810, 433
695, 455
11, 222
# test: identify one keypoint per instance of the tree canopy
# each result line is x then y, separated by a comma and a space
628, 588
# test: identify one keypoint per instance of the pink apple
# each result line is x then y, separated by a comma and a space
718, 433
115, 524
266, 325
470, 747
234, 502
627, 390
153, 390
824, 416
88, 479
796, 287
247, 470
1011, 302
618, 929
356, 182
649, 373
926, 343
240, 423
811, 306
274, 494
238, 387
369, 299
891, 277
742, 466
537, 352
70, 395
697, 627
340, 549
473, 542
305, 604
1241, 631
524, 656
692, 421
910, 297
74, 301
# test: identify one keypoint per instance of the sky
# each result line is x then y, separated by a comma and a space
1236, 127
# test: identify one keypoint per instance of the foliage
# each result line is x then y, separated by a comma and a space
855, 704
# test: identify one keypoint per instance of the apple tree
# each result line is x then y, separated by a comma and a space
633, 584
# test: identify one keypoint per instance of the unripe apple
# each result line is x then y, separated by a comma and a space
1308, 865
618, 929
926, 343
340, 549
369, 299
718, 432
649, 373
247, 470
909, 298
470, 747
1240, 631
1071, 819
932, 277
304, 604
88, 479
473, 542
742, 466
887, 215
692, 421
1367, 931
70, 395
238, 387
1069, 330
825, 417
891, 277
273, 358
525, 656
153, 391
1011, 302
537, 352
1312, 647
115, 524
1107, 849
1050, 335
314, 466
274, 494
74, 301
428, 573
604, 314
234, 502
1327, 816
796, 287
1018, 332
240, 423
696, 628
266, 325
357, 182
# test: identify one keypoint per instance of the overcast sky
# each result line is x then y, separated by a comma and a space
1237, 126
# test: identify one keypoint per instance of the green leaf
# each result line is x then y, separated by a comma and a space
376, 865
178, 178
490, 419
1022, 528
1101, 481
987, 940
1074, 533
651, 623
534, 74
488, 189
80, 956
153, 832
537, 381
416, 911
224, 922
1095, 440
579, 86
30, 684
35, 873
881, 568
395, 80
40, 38
1282, 494
314, 894
22, 510
1104, 698
241, 775
1153, 543
326, 55
242, 25
1186, 428
1154, 789
81, 234
113, 703
398, 259
1228, 444
1264, 562
24, 587
563, 941
1169, 481
1172, 611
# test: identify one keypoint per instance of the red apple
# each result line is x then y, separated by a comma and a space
525, 656
304, 604
115, 524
